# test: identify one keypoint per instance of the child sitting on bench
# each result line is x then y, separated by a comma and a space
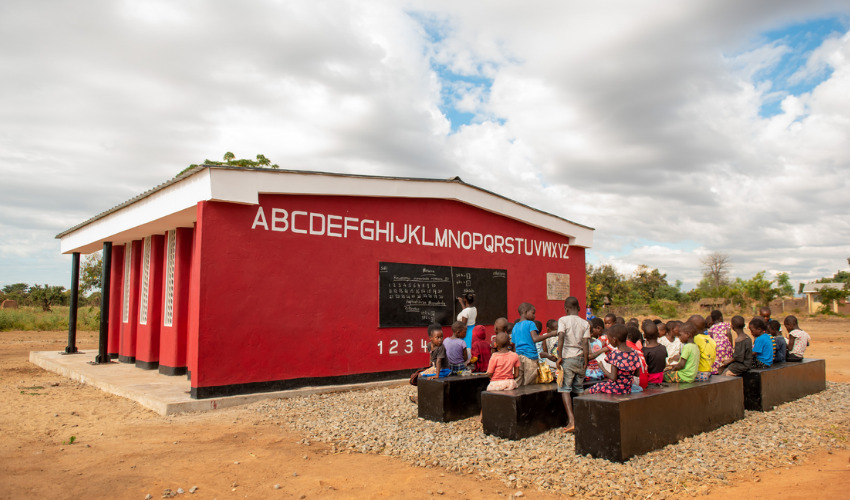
655, 353
503, 369
685, 370
671, 341
438, 357
480, 350
598, 347
707, 348
762, 346
798, 340
742, 357
780, 348
624, 365
456, 351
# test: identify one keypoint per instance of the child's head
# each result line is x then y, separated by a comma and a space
650, 330
571, 305
617, 335
500, 325
662, 328
633, 322
538, 325
551, 325
687, 331
470, 298
609, 320
435, 333
773, 327
764, 312
597, 326
478, 332
502, 340
716, 316
509, 328
737, 322
620, 321
673, 327
633, 333
709, 321
526, 311
757, 326
791, 323
698, 322
459, 329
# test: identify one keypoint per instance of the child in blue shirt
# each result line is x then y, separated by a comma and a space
762, 346
525, 336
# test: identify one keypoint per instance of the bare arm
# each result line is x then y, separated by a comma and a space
611, 375
791, 340
539, 338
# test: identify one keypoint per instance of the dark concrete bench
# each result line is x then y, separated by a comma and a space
620, 427
450, 398
766, 388
525, 411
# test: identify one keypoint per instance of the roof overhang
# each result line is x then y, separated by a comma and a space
174, 203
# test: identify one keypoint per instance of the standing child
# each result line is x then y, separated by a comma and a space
655, 354
762, 346
798, 340
685, 370
504, 365
742, 357
480, 350
707, 348
456, 351
624, 365
524, 336
573, 337
780, 349
467, 315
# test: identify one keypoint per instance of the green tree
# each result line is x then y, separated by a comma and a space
783, 284
46, 296
90, 273
230, 160
715, 269
18, 292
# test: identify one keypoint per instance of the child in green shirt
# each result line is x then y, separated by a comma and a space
686, 369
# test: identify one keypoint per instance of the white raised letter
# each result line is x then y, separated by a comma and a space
276, 219
260, 219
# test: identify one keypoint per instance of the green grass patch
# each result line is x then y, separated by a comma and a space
34, 319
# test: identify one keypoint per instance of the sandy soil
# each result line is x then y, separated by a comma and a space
122, 450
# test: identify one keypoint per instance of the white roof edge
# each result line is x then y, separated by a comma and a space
161, 205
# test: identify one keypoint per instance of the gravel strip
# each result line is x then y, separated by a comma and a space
383, 421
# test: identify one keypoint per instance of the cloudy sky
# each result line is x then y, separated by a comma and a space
674, 128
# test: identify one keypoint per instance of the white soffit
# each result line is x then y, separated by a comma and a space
174, 203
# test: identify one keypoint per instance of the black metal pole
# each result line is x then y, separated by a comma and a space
102, 356
71, 348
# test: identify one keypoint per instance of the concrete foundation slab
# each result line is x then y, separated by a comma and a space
166, 395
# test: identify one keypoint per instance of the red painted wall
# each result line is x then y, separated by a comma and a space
127, 344
274, 305
172, 347
116, 290
147, 336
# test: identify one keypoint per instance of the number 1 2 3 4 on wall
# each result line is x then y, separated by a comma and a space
397, 347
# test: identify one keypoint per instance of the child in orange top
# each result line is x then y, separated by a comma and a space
504, 366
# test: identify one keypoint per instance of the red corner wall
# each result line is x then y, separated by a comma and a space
130, 292
270, 305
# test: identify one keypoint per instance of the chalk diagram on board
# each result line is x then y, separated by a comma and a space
418, 294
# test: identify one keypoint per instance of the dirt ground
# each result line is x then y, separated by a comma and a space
122, 450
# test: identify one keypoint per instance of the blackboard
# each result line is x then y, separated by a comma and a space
418, 295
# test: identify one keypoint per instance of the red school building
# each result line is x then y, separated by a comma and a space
253, 280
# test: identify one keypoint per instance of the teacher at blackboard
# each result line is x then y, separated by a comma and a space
468, 315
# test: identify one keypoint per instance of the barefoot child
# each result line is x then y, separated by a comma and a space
742, 357
762, 346
624, 365
456, 351
573, 337
685, 370
798, 340
503, 369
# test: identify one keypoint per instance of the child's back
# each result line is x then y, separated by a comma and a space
480, 349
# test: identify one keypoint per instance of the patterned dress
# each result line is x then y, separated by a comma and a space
627, 363
725, 350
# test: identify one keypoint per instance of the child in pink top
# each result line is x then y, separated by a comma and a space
504, 366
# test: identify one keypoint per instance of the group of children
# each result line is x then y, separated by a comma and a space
622, 356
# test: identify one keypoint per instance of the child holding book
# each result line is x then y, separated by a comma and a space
624, 363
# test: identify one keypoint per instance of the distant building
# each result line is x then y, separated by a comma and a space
712, 302
813, 299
